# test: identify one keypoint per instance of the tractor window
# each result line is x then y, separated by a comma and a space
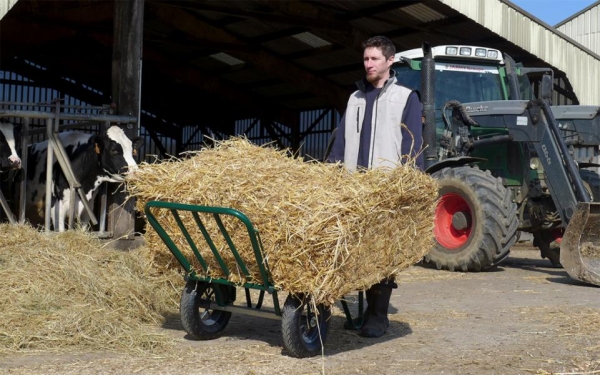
408, 77
466, 87
525, 86
465, 83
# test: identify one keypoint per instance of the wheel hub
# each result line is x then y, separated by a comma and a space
453, 221
460, 220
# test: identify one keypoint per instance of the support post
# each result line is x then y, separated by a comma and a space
126, 93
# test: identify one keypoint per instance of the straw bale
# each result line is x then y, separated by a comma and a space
64, 291
325, 231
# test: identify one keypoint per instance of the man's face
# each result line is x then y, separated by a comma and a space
377, 66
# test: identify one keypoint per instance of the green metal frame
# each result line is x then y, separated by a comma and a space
265, 284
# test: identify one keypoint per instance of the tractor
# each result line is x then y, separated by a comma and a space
506, 160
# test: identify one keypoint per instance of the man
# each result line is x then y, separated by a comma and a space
371, 135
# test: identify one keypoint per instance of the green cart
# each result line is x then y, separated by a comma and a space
207, 303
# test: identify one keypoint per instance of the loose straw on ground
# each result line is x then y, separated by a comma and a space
65, 291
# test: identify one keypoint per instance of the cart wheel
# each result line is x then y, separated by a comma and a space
303, 331
198, 321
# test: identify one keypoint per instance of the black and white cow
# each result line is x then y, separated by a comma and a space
9, 159
94, 159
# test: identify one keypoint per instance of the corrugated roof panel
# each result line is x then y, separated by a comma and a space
295, 43
311, 40
227, 59
568, 19
5, 6
584, 28
284, 46
581, 65
389, 20
422, 12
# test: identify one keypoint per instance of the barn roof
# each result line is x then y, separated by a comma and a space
212, 62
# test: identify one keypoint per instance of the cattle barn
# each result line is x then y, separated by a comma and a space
190, 71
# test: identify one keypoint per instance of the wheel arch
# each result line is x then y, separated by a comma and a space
453, 162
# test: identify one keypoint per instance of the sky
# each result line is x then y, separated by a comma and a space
553, 11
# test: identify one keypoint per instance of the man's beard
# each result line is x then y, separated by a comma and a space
374, 77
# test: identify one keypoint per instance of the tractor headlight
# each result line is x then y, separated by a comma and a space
535, 163
480, 52
492, 54
451, 50
465, 51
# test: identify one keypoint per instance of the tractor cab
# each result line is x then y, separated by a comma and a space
470, 74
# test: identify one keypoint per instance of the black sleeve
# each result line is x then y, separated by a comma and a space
412, 138
339, 143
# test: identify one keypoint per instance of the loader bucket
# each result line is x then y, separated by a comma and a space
580, 246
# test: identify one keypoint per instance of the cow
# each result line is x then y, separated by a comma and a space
105, 157
9, 159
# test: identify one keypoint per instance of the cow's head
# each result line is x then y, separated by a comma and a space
9, 138
116, 153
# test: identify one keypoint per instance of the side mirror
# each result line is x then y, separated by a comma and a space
546, 87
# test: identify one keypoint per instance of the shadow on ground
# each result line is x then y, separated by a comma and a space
248, 327
556, 274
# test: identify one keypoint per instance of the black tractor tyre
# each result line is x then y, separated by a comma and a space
198, 321
475, 222
548, 241
303, 329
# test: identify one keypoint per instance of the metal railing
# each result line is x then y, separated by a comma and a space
56, 149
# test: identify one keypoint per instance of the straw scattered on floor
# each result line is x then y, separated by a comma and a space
58, 292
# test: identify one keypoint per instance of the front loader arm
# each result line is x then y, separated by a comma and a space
533, 122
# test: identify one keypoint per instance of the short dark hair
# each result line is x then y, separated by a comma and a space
383, 43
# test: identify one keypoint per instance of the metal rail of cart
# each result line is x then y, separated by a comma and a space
208, 302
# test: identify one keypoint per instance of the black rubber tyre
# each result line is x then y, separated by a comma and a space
476, 220
199, 322
304, 331
548, 241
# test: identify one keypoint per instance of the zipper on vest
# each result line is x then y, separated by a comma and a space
374, 127
357, 120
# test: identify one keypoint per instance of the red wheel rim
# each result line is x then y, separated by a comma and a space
445, 233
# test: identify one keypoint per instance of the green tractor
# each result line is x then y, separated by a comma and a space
504, 163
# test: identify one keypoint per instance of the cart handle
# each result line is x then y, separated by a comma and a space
216, 212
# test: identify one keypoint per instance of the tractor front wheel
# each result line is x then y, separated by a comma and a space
475, 220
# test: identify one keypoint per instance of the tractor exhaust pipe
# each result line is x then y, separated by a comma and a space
428, 96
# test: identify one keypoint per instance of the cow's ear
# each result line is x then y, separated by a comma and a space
98, 144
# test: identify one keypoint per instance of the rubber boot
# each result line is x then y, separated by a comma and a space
378, 321
356, 322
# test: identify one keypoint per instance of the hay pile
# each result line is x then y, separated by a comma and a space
325, 231
65, 291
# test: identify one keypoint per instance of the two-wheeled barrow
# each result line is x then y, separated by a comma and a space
207, 302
